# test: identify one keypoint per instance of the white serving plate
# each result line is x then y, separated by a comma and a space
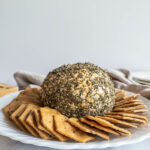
8, 129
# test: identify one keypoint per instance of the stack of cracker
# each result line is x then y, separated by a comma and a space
28, 115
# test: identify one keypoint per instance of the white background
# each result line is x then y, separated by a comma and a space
39, 35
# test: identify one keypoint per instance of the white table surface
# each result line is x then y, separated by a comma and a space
8, 144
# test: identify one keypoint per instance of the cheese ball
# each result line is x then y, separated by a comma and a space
78, 90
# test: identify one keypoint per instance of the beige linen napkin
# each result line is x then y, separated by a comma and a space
27, 79
122, 79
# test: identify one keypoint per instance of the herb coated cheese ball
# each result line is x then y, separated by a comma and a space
78, 90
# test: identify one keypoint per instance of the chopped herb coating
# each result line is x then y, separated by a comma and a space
78, 90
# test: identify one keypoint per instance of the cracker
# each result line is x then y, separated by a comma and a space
24, 115
130, 108
119, 96
122, 123
47, 121
6, 89
14, 116
85, 128
32, 91
5, 110
65, 128
38, 122
100, 127
138, 111
118, 92
28, 96
129, 115
129, 104
117, 104
50, 111
108, 124
10, 108
31, 121
128, 98
127, 118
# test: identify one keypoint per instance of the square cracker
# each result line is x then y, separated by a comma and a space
47, 121
11, 107
108, 124
129, 119
39, 124
14, 116
131, 104
65, 128
6, 89
118, 122
22, 118
137, 107
31, 121
85, 128
139, 111
29, 95
128, 115
98, 126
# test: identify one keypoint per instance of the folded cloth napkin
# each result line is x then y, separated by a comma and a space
122, 79
27, 79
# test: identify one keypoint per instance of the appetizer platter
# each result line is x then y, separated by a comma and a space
77, 106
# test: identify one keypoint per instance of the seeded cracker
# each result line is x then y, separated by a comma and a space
130, 108
14, 116
139, 111
11, 107
127, 98
117, 104
128, 115
118, 92
47, 120
122, 123
6, 89
28, 96
31, 121
85, 128
127, 118
131, 104
98, 126
39, 124
119, 96
108, 124
65, 128
22, 118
